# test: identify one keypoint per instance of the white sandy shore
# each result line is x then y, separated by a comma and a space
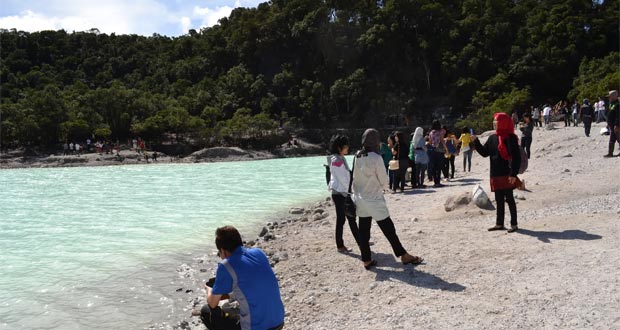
15, 159
560, 271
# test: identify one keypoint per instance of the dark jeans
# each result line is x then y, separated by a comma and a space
467, 159
419, 173
391, 177
436, 165
414, 182
388, 229
502, 196
567, 120
526, 144
613, 138
215, 319
399, 177
587, 124
340, 219
448, 164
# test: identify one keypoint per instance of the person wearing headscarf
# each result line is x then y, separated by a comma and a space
502, 148
369, 181
437, 152
418, 144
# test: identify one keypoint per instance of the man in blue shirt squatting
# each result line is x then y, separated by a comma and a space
246, 275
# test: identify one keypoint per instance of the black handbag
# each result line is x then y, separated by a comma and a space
349, 205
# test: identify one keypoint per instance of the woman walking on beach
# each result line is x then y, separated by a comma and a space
391, 141
502, 148
418, 143
369, 180
339, 187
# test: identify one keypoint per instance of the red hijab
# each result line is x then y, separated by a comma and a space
505, 128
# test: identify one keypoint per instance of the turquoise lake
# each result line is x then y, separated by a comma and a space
98, 247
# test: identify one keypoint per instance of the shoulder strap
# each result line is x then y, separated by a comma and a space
352, 169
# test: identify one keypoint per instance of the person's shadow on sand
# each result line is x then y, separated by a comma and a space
403, 273
547, 236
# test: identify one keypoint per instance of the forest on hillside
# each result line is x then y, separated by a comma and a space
291, 64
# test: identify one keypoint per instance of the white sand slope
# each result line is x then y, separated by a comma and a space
560, 271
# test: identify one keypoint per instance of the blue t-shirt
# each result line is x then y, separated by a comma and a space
258, 284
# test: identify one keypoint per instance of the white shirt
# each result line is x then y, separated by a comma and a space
340, 174
600, 105
546, 111
369, 177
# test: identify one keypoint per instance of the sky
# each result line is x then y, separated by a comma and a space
143, 17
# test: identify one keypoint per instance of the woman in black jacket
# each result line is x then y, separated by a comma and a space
502, 148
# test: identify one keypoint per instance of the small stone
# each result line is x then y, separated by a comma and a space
189, 291
414, 219
566, 170
373, 285
568, 155
179, 289
296, 210
203, 270
318, 210
263, 232
268, 237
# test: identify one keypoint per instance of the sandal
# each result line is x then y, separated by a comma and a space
371, 264
494, 228
344, 249
415, 260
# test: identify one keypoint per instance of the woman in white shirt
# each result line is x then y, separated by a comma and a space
369, 180
339, 187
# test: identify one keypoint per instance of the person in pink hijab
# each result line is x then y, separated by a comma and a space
502, 148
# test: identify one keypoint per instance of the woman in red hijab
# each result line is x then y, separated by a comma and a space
502, 148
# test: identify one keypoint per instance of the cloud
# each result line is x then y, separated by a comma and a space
143, 17
211, 16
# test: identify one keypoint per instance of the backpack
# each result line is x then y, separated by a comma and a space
524, 160
328, 172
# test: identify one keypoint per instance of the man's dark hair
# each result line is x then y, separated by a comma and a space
227, 238
436, 125
337, 142
465, 130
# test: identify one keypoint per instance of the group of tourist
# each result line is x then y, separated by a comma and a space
578, 113
358, 194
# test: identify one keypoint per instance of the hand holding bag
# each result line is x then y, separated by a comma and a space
349, 205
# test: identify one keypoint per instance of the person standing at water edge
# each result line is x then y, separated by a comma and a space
587, 114
245, 274
502, 148
369, 180
339, 187
613, 122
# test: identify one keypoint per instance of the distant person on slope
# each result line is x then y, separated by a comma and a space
587, 115
369, 181
418, 143
502, 148
613, 122
526, 128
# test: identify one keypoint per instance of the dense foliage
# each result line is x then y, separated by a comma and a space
306, 63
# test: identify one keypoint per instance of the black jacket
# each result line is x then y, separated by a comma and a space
500, 166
